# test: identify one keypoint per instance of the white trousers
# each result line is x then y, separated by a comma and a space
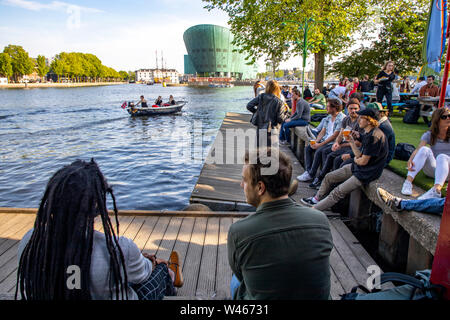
437, 168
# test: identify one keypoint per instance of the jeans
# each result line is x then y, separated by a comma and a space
385, 92
348, 183
317, 106
285, 133
329, 161
234, 285
433, 205
313, 161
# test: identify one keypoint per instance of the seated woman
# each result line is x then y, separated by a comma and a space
434, 160
300, 118
172, 100
64, 240
158, 101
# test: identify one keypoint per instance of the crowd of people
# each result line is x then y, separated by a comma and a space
350, 148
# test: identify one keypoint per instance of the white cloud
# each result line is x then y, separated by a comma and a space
54, 5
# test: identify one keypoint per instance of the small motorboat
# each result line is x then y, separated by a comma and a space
154, 109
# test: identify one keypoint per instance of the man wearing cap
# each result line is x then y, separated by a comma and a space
368, 165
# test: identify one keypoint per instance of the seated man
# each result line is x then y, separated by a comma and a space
430, 89
329, 133
368, 165
110, 267
172, 100
307, 95
431, 205
300, 118
318, 101
282, 251
142, 102
341, 145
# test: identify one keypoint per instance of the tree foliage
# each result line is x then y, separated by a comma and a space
400, 39
42, 68
256, 25
82, 67
5, 65
21, 63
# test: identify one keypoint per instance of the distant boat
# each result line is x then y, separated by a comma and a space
155, 110
221, 85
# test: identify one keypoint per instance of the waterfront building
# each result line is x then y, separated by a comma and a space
158, 75
212, 54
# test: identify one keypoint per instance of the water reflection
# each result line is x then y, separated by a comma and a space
43, 129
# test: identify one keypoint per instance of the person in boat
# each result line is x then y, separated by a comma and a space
172, 100
158, 101
142, 102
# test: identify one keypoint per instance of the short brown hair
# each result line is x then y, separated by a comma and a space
277, 185
273, 88
353, 101
335, 103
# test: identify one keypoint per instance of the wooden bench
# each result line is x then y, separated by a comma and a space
407, 239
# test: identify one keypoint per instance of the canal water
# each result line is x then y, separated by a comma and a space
152, 163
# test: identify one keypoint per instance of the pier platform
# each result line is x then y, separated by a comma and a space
199, 237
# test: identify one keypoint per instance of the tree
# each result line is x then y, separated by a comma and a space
256, 26
5, 65
42, 68
400, 40
21, 63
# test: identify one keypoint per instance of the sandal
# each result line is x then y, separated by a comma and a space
175, 267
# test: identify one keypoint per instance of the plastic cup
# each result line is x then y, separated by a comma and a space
346, 132
312, 142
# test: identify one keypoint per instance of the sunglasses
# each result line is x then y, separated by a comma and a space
445, 116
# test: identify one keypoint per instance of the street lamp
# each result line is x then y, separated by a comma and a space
305, 46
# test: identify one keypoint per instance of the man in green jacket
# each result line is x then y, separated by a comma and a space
282, 251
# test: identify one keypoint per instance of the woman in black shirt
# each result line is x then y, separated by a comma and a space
384, 81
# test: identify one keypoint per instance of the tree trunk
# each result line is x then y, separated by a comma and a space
319, 68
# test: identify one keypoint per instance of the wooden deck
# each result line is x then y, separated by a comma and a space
202, 244
218, 185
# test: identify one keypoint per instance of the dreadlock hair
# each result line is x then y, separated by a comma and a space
63, 236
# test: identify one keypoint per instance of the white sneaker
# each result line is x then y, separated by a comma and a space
432, 193
407, 188
284, 142
304, 177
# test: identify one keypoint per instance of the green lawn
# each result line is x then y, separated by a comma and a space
407, 133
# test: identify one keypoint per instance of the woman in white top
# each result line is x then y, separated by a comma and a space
434, 160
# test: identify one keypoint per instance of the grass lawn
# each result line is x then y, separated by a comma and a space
407, 133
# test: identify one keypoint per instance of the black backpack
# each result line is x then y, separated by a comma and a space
318, 117
412, 115
403, 151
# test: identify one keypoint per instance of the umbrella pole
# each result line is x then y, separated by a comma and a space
447, 64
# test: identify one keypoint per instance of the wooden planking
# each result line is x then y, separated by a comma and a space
348, 257
343, 274
144, 233
169, 238
193, 256
134, 228
152, 245
183, 239
15, 233
336, 288
223, 273
207, 273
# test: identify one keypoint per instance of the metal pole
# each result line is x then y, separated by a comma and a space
447, 64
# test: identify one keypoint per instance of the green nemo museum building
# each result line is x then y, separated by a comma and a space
211, 54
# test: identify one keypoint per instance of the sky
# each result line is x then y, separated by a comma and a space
123, 34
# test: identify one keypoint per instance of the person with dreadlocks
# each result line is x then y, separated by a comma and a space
63, 239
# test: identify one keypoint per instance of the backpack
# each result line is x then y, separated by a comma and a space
412, 115
318, 117
411, 288
403, 151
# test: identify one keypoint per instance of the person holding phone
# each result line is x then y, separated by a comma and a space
384, 81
